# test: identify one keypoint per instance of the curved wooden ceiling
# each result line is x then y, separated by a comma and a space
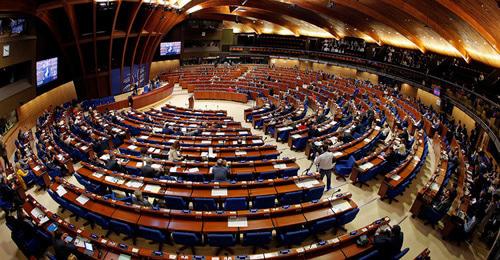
461, 28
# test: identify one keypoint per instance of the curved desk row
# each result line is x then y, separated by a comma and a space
220, 95
341, 247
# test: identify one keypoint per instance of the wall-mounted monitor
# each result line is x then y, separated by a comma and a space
46, 71
436, 90
170, 48
17, 25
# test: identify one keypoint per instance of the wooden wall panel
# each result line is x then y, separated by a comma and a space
21, 50
408, 90
29, 112
461, 116
428, 99
158, 67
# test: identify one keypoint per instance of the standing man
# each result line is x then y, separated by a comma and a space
325, 165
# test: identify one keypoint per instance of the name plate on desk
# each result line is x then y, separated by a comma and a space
237, 222
219, 192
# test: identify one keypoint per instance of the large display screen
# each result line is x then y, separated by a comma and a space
46, 71
170, 48
436, 90
17, 25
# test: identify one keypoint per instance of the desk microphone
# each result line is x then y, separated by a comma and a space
337, 191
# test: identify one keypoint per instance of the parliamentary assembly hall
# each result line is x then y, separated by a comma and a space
249, 129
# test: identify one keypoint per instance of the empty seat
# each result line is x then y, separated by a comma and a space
257, 238
186, 238
174, 202
94, 218
235, 204
204, 204
290, 198
323, 225
264, 202
343, 168
294, 236
267, 175
153, 234
121, 228
314, 194
347, 217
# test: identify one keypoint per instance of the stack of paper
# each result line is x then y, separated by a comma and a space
105, 157
340, 206
61, 191
132, 147
134, 184
97, 174
206, 141
295, 136
195, 169
237, 222
366, 166
152, 188
395, 177
239, 153
219, 192
156, 166
280, 166
219, 133
82, 199
307, 183
36, 168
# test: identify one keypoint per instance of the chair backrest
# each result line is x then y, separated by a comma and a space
372, 255
314, 194
221, 239
351, 161
257, 238
323, 224
264, 202
348, 217
401, 254
152, 234
204, 204
295, 236
120, 227
186, 238
267, 175
244, 177
235, 204
97, 219
174, 202
294, 197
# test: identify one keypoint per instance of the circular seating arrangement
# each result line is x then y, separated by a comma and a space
127, 184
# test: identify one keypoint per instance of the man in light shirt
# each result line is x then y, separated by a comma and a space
324, 163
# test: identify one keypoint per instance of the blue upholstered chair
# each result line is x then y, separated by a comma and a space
264, 202
235, 204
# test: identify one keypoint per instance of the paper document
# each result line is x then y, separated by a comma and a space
61, 191
366, 166
219, 192
82, 199
237, 222
340, 205
395, 177
280, 166
152, 188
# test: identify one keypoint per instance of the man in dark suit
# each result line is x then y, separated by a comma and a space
112, 164
383, 244
62, 249
147, 170
396, 239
